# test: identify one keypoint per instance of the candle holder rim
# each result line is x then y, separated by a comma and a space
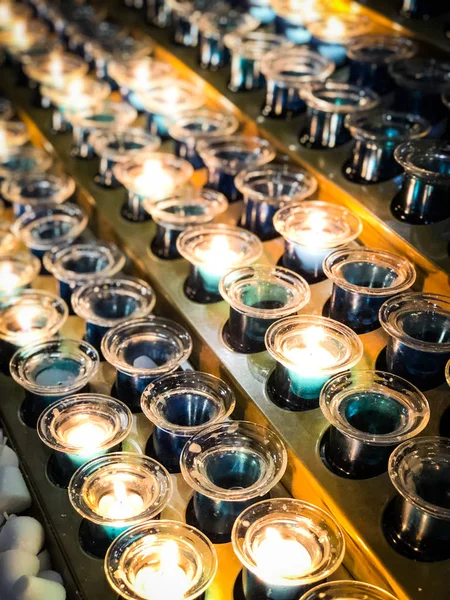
414, 126
186, 380
124, 74
228, 124
213, 202
130, 284
59, 96
284, 326
365, 98
410, 155
154, 100
54, 258
118, 409
243, 182
408, 395
351, 20
31, 264
63, 187
254, 44
167, 527
273, 274
333, 590
208, 26
121, 113
402, 48
72, 66
298, 209
404, 269
101, 140
111, 343
107, 462
397, 305
17, 130
302, 55
42, 159
404, 73
283, 507
202, 485
397, 472
18, 365
210, 148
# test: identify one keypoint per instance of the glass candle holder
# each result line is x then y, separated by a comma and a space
143, 350
353, 590
29, 190
226, 156
420, 83
180, 406
151, 176
174, 215
370, 413
161, 559
312, 230
110, 302
12, 135
286, 547
165, 101
105, 116
193, 126
308, 351
213, 250
247, 50
363, 280
80, 427
51, 370
376, 135
185, 16
78, 264
44, 227
213, 26
259, 296
418, 326
18, 160
422, 199
23, 38
265, 189
331, 33
287, 72
8, 241
31, 316
370, 57
327, 106
115, 492
418, 522
230, 466
117, 146
17, 271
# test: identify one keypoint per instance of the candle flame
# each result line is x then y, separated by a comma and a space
281, 558
85, 436
8, 279
25, 318
310, 356
75, 88
141, 74
19, 32
5, 14
154, 181
172, 95
334, 27
169, 581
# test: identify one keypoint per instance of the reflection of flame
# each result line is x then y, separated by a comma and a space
169, 581
281, 557
8, 279
334, 28
155, 181
25, 318
19, 32
75, 88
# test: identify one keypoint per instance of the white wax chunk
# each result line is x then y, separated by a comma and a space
144, 362
8, 457
45, 562
14, 494
13, 565
22, 533
51, 576
35, 588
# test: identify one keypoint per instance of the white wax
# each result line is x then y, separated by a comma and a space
13, 565
8, 457
45, 562
35, 588
51, 576
22, 533
14, 494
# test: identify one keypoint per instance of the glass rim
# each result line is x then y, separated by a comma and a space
72, 66
19, 360
155, 101
336, 590
404, 269
254, 44
242, 276
285, 509
43, 160
157, 391
447, 372
354, 23
112, 342
404, 72
334, 329
359, 48
227, 124
121, 113
17, 131
31, 264
411, 448
213, 202
207, 22
337, 389
94, 91
271, 71
366, 99
124, 74
101, 140
63, 185
142, 464
395, 307
260, 150
409, 155
413, 125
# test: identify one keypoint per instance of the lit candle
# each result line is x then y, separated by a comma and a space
20, 38
334, 28
5, 14
154, 181
8, 279
56, 71
26, 326
281, 558
218, 258
121, 503
86, 436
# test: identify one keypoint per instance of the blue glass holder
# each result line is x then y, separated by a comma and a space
202, 287
292, 27
333, 51
158, 13
307, 263
261, 10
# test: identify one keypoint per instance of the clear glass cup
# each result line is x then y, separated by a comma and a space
185, 15
56, 68
17, 160
17, 271
353, 590
12, 134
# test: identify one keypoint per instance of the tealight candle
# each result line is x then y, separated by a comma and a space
17, 271
287, 72
51, 370
363, 280
80, 427
181, 405
353, 590
213, 250
370, 413
286, 547
266, 189
313, 230
230, 466
166, 100
308, 350
418, 326
193, 126
115, 492
259, 296
160, 560
150, 176
143, 350
226, 156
